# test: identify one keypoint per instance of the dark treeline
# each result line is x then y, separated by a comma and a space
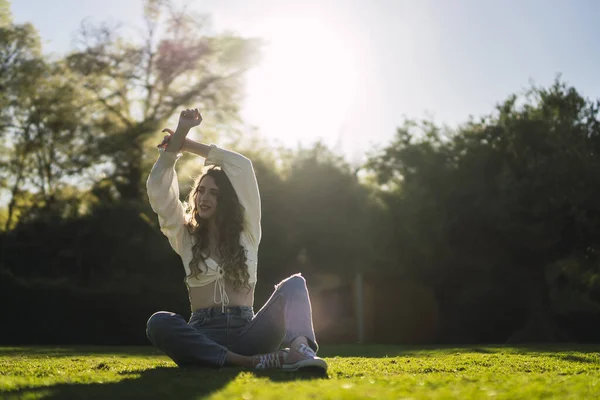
497, 219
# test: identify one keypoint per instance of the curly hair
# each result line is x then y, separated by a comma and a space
229, 219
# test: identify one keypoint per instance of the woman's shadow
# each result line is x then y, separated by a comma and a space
162, 383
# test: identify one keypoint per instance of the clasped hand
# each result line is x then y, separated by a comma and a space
187, 120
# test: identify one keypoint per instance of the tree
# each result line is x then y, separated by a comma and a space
5, 14
328, 212
20, 67
47, 135
138, 86
500, 198
50, 137
546, 186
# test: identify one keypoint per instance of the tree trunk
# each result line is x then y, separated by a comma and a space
129, 178
13, 199
540, 326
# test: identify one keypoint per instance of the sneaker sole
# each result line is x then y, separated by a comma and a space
314, 364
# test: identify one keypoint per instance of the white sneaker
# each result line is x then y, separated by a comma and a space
303, 357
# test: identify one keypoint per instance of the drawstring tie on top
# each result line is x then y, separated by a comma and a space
220, 285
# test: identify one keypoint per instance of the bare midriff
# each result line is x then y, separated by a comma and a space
204, 296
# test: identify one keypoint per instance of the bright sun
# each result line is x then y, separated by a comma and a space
305, 84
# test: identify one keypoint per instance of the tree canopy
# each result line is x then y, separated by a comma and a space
497, 217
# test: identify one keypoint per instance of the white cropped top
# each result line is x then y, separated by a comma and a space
163, 193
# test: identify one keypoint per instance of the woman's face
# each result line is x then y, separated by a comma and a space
206, 198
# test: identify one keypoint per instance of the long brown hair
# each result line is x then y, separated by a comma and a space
230, 223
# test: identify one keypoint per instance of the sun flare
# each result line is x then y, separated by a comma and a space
305, 83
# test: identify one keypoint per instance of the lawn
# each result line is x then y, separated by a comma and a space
378, 372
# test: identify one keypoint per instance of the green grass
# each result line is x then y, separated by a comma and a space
377, 372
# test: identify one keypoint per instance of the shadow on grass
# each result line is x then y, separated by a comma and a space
380, 351
160, 383
577, 359
341, 350
77, 351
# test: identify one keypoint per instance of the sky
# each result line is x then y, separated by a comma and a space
348, 71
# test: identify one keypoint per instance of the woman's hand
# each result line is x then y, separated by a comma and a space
167, 138
165, 141
189, 118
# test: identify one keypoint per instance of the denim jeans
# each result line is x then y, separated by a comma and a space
210, 333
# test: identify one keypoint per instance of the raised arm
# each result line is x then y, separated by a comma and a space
238, 168
162, 186
163, 193
240, 172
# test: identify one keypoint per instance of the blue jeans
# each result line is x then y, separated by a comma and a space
210, 333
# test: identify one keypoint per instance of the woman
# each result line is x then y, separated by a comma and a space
217, 241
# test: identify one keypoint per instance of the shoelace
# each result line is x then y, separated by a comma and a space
270, 360
306, 351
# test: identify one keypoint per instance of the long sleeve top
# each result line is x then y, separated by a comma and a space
163, 193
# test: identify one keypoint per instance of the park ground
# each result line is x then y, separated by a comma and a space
355, 372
